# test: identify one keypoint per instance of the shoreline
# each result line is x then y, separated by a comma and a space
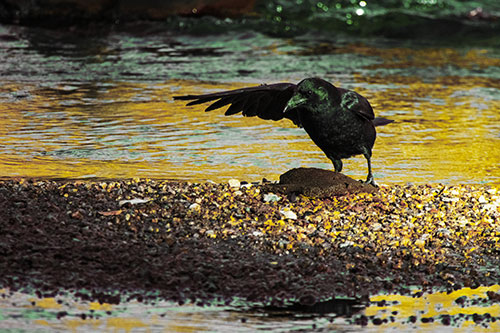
186, 241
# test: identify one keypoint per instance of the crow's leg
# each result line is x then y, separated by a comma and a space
337, 164
369, 178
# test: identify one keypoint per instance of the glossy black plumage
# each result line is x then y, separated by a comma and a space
339, 121
265, 101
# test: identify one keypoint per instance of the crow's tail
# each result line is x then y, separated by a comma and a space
381, 121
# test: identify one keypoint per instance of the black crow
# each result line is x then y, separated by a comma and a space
341, 122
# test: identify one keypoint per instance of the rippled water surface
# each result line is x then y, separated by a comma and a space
90, 104
449, 312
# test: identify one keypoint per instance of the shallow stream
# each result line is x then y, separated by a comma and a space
98, 104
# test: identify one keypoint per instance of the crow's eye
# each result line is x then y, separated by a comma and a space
309, 93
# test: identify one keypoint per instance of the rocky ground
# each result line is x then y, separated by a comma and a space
260, 243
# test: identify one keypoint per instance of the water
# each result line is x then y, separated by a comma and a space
99, 104
24, 312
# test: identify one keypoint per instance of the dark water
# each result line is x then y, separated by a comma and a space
453, 20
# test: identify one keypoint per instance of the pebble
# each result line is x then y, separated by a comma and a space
288, 214
194, 206
271, 197
234, 183
134, 201
346, 244
420, 243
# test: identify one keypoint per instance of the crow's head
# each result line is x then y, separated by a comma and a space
313, 94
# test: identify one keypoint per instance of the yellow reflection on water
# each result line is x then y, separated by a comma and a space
47, 303
446, 130
435, 304
426, 57
96, 306
126, 324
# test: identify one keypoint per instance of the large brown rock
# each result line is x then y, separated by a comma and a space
319, 183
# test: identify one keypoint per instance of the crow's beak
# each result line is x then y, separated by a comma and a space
296, 101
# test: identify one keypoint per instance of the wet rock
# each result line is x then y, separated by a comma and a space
494, 297
318, 183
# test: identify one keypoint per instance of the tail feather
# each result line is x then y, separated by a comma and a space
381, 121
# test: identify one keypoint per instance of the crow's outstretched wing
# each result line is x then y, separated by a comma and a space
264, 101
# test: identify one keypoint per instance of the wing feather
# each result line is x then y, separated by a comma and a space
264, 101
220, 103
253, 106
235, 107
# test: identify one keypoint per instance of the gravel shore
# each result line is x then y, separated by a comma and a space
201, 242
